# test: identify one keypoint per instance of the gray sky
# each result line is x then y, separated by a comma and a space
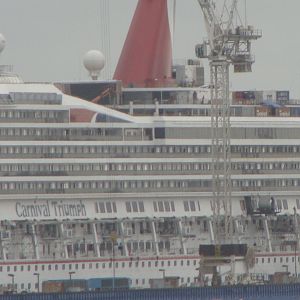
46, 39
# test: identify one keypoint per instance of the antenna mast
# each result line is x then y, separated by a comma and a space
105, 35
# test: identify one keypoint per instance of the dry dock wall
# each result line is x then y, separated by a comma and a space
257, 292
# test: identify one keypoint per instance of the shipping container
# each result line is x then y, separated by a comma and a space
157, 283
163, 283
75, 285
98, 284
66, 285
279, 277
53, 287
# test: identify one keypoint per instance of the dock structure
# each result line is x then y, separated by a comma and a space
245, 292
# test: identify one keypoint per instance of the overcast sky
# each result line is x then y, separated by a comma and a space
46, 39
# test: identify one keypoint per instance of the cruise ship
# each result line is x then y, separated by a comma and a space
93, 192
118, 184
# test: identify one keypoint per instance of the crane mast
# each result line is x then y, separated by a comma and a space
226, 45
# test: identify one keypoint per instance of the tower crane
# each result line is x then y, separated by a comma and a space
227, 44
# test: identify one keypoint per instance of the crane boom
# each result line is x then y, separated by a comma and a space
212, 27
226, 45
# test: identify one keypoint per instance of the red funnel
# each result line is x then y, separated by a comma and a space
146, 58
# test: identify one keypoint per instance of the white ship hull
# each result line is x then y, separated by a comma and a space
91, 192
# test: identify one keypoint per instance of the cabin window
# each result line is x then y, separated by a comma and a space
298, 203
242, 204
108, 207
128, 206
101, 207
141, 206
172, 205
160, 206
134, 206
186, 206
114, 206
167, 206
279, 204
155, 206
192, 206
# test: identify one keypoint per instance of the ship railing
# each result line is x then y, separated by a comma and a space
284, 236
168, 252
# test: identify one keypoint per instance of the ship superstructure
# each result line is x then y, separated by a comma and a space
90, 190
100, 181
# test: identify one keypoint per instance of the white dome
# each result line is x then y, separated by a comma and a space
94, 62
2, 42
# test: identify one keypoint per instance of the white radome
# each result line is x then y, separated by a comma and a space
2, 42
94, 62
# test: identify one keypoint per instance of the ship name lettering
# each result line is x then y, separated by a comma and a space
68, 210
50, 209
32, 210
